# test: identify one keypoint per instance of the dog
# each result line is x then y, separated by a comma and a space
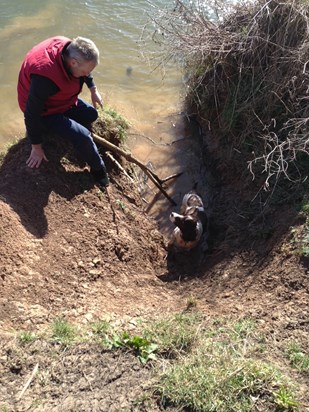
190, 223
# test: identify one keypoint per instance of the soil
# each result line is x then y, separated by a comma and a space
70, 250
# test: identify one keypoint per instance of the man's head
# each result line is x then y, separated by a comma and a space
81, 56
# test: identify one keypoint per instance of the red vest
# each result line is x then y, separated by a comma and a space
45, 59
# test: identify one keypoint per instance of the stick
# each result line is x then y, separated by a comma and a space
171, 177
149, 138
119, 166
127, 155
28, 381
89, 383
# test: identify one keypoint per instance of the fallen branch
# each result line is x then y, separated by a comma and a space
127, 155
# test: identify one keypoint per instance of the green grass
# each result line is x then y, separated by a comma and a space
114, 123
300, 234
5, 151
298, 358
205, 383
27, 337
174, 335
198, 364
120, 204
100, 328
304, 241
222, 372
62, 331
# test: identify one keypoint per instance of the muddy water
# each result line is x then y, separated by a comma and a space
176, 150
150, 102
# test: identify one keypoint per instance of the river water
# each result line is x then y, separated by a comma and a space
123, 77
150, 101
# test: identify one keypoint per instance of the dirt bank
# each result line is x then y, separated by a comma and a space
67, 249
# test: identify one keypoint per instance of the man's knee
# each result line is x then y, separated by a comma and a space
93, 115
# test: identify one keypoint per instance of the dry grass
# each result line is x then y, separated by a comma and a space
247, 72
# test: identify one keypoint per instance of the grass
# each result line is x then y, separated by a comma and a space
298, 358
224, 384
222, 371
100, 328
120, 204
198, 364
102, 333
176, 334
305, 241
5, 151
27, 337
300, 234
191, 302
112, 125
62, 331
305, 235
229, 65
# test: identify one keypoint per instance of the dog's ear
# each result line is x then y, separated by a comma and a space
202, 216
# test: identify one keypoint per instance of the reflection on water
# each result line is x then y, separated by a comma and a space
115, 27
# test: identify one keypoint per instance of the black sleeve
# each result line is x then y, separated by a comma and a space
41, 88
89, 81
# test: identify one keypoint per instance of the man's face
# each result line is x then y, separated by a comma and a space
81, 68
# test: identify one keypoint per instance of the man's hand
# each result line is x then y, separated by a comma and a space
36, 157
96, 97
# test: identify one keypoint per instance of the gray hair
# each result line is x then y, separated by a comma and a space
82, 48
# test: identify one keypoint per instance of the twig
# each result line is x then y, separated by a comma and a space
149, 138
28, 381
119, 166
107, 192
171, 177
88, 381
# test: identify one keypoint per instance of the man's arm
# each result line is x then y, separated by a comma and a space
96, 97
41, 88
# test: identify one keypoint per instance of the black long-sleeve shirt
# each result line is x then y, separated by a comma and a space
41, 88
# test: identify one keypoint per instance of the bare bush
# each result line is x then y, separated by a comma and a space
246, 68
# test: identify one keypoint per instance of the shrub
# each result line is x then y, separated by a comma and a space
247, 76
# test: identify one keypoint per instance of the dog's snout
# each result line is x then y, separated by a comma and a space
176, 218
173, 217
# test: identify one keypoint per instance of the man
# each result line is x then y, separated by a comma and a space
50, 79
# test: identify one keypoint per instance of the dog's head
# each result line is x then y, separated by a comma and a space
188, 230
190, 222
186, 224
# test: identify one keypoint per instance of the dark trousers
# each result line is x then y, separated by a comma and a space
71, 125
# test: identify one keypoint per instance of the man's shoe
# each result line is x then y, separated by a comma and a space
101, 177
104, 182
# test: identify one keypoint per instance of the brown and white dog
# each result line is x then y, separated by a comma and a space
190, 222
